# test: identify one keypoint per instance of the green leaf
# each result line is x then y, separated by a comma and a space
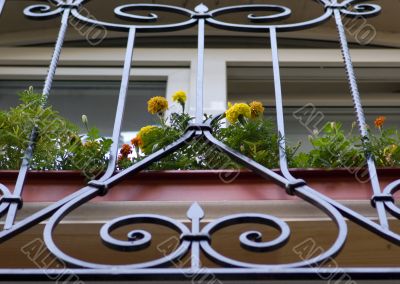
93, 134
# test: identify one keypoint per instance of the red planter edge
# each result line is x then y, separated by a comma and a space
220, 185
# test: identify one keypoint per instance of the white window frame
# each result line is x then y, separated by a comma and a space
178, 66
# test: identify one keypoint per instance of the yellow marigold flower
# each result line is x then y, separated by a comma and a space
180, 97
380, 121
237, 111
257, 109
157, 105
229, 105
146, 130
145, 137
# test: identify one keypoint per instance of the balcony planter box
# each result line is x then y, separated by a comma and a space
339, 184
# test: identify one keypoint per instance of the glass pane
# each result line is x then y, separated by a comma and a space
96, 99
314, 96
300, 122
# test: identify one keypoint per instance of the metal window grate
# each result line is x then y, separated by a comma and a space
196, 240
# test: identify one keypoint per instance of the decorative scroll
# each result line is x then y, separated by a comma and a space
282, 13
388, 198
125, 12
362, 10
352, 9
139, 239
136, 239
42, 11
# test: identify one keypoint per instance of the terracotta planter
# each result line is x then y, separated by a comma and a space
339, 184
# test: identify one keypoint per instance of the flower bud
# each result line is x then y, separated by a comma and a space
85, 119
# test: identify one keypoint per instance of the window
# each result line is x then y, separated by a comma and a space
314, 96
96, 99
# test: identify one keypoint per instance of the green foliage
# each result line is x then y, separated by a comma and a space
58, 144
384, 146
159, 138
91, 157
254, 137
15, 129
333, 148
257, 138
196, 155
60, 147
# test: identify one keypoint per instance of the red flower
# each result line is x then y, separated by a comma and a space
125, 150
380, 121
137, 141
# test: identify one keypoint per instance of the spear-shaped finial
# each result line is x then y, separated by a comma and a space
195, 212
201, 8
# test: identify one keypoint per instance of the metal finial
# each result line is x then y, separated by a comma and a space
201, 8
195, 212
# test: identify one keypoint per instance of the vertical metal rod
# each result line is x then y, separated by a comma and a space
279, 104
32, 139
351, 77
195, 256
200, 73
56, 55
121, 104
195, 214
2, 2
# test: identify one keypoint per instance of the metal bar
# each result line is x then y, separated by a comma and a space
332, 208
200, 73
184, 274
195, 257
32, 139
246, 161
279, 105
380, 206
39, 216
119, 115
146, 161
2, 3
354, 216
57, 52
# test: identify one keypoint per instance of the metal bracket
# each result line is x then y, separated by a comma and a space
335, 6
199, 128
291, 186
99, 185
195, 237
12, 199
69, 6
202, 16
381, 198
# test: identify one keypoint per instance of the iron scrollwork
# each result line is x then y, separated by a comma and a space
124, 12
195, 240
136, 239
42, 11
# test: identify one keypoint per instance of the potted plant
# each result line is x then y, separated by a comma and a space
60, 150
197, 171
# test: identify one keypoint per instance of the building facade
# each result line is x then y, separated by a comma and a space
293, 56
